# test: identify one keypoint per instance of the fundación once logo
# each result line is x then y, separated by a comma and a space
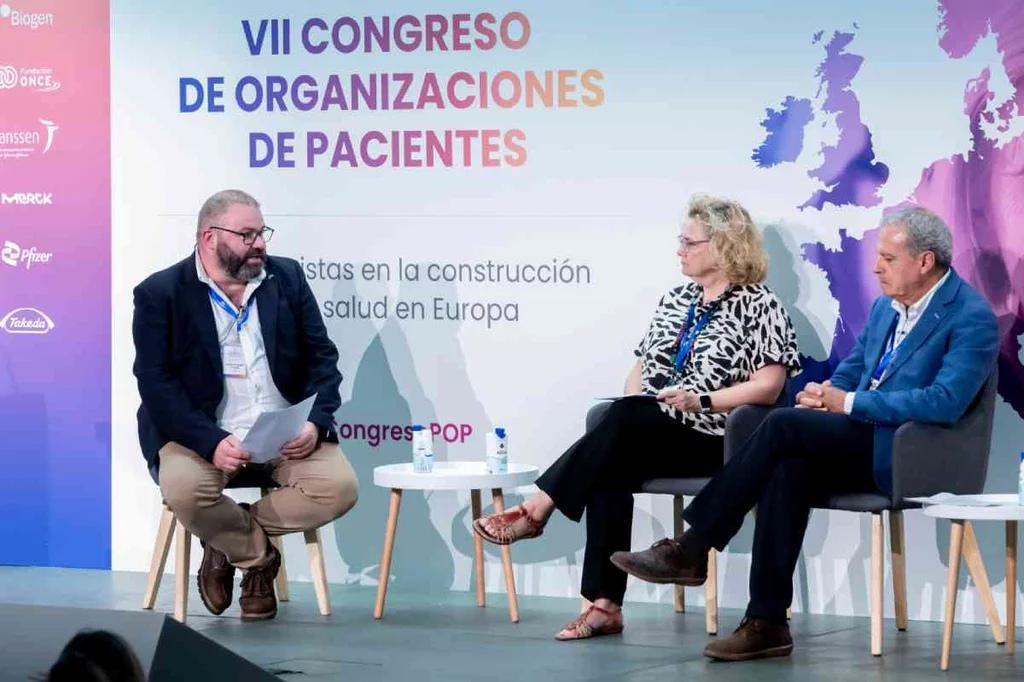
26, 321
37, 79
13, 255
20, 19
21, 144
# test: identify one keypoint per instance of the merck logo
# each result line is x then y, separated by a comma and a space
26, 321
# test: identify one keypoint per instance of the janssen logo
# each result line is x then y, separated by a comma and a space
26, 321
21, 19
21, 144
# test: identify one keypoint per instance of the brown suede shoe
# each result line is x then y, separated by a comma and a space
216, 580
667, 561
754, 638
258, 601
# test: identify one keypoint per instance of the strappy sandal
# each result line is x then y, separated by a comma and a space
509, 526
581, 629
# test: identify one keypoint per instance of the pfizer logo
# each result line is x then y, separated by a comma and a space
26, 321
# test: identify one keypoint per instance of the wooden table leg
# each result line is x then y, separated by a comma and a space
976, 567
1011, 584
384, 573
478, 552
506, 562
956, 543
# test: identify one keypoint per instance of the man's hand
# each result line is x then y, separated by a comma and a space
229, 456
301, 445
824, 397
684, 401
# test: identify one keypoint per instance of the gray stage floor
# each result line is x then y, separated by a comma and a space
446, 637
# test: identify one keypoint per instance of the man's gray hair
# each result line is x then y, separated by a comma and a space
925, 232
215, 206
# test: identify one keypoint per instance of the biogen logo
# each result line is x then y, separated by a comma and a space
29, 20
26, 321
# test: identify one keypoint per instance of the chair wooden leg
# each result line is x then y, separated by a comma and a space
976, 567
1011, 585
281, 580
897, 550
384, 570
161, 547
678, 594
506, 562
711, 594
315, 549
956, 543
478, 551
877, 568
182, 554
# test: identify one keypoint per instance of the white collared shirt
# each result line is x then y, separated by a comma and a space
907, 319
244, 397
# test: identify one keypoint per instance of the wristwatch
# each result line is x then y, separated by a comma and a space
705, 402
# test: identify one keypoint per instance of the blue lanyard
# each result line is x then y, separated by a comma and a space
240, 319
689, 333
890, 353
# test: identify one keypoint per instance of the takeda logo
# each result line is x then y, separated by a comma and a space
26, 321
21, 19
37, 79
21, 144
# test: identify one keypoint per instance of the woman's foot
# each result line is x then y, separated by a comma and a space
594, 622
509, 526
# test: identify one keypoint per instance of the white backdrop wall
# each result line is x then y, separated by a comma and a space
685, 91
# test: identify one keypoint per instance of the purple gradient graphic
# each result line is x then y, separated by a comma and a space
848, 170
55, 386
785, 128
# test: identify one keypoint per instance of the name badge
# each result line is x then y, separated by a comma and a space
234, 362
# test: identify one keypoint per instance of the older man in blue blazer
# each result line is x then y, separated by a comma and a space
929, 345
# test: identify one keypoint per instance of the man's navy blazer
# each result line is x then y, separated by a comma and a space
178, 357
935, 374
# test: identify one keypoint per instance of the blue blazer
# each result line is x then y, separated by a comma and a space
178, 358
937, 370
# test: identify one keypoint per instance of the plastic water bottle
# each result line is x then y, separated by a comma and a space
1020, 480
422, 450
497, 451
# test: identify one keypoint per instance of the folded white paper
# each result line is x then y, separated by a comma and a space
628, 395
273, 429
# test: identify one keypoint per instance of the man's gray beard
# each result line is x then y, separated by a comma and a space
238, 267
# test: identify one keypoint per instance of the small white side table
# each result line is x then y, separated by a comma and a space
1007, 510
471, 476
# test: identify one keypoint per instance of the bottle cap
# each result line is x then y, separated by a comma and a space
500, 432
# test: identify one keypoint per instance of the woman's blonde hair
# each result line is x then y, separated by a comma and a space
735, 241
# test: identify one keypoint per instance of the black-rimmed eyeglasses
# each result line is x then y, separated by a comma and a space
249, 236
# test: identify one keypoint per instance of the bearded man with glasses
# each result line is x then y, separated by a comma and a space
220, 337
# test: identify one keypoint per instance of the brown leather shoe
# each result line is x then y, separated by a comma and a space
754, 638
216, 580
667, 561
258, 601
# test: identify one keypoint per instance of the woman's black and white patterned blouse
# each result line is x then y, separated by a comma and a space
749, 330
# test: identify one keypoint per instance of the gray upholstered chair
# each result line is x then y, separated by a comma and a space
739, 425
927, 459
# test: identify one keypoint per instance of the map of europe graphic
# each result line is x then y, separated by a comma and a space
979, 194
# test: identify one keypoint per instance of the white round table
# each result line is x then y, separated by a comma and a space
1007, 509
470, 476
